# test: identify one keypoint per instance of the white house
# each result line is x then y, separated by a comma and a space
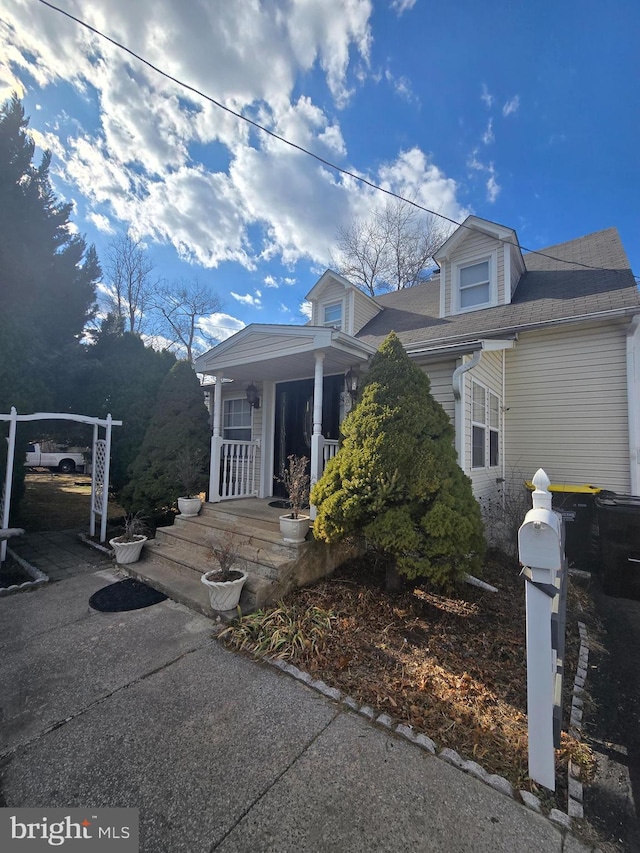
535, 357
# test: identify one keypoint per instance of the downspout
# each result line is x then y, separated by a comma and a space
633, 401
458, 394
503, 427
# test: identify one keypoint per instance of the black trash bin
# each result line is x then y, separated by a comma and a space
618, 518
576, 504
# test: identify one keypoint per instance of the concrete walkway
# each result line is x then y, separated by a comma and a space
145, 709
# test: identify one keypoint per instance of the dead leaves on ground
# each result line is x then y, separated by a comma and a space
453, 668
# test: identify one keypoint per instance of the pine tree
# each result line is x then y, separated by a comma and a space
179, 424
395, 479
47, 273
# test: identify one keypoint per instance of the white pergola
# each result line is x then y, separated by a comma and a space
100, 460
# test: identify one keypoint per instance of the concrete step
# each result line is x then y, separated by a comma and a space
192, 593
211, 513
194, 544
189, 560
202, 529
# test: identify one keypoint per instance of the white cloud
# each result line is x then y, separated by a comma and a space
248, 299
493, 187
180, 171
102, 223
220, 326
305, 309
486, 96
402, 6
511, 106
269, 281
488, 136
402, 87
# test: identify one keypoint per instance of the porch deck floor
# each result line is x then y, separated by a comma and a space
257, 508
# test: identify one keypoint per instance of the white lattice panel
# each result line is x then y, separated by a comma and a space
99, 468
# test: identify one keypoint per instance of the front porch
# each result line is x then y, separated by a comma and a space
175, 560
277, 391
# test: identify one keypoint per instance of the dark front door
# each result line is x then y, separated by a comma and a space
294, 420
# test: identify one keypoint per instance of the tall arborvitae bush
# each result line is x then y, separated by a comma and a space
179, 424
396, 480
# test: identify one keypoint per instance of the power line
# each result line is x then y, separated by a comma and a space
300, 148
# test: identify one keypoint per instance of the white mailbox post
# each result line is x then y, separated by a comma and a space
541, 549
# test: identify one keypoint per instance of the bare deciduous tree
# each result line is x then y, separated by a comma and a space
390, 250
179, 306
130, 281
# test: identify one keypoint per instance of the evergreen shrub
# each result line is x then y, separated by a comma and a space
395, 479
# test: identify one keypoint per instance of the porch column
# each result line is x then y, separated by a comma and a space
216, 443
317, 439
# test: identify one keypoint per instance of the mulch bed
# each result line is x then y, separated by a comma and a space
451, 667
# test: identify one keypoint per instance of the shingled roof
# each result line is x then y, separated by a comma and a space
549, 291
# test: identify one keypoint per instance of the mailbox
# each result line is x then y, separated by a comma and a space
540, 540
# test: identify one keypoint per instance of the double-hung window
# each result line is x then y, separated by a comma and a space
475, 285
485, 427
333, 315
236, 420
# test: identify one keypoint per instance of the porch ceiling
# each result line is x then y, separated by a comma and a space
281, 353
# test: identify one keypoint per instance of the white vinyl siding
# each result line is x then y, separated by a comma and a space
441, 375
332, 294
475, 248
363, 311
567, 406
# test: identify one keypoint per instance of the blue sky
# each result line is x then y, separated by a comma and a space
524, 113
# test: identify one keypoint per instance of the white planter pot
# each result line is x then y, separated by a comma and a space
189, 507
223, 595
294, 529
127, 552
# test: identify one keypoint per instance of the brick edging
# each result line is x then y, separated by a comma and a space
38, 578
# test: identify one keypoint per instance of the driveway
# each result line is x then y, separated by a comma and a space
145, 709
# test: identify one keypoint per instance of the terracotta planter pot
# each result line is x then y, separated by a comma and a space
294, 529
127, 552
223, 595
189, 507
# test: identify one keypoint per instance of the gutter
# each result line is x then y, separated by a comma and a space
521, 327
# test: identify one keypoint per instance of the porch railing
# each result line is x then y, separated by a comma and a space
238, 469
329, 450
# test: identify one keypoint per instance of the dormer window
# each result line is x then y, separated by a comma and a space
476, 285
333, 315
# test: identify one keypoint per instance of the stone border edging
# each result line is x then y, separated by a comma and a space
499, 783
97, 546
39, 578
575, 788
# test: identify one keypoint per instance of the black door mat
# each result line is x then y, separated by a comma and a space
128, 594
280, 504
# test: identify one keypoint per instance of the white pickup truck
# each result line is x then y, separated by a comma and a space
64, 461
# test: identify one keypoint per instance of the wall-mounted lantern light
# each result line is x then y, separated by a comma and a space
351, 383
252, 396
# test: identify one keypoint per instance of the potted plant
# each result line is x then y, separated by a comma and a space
294, 526
190, 472
225, 583
128, 546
